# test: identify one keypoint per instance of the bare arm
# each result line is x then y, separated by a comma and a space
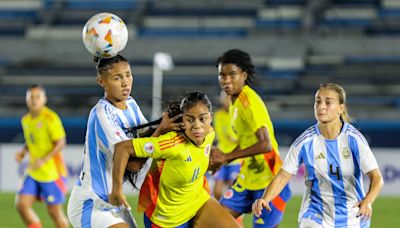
273, 189
19, 156
122, 152
263, 145
375, 186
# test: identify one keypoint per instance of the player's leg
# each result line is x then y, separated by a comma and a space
219, 182
230, 177
57, 215
53, 193
212, 214
26, 196
278, 204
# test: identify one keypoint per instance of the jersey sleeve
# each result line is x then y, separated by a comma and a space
108, 127
55, 128
254, 114
367, 158
292, 161
166, 146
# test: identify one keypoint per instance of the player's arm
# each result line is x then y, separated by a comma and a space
58, 145
273, 189
376, 184
19, 156
263, 145
123, 150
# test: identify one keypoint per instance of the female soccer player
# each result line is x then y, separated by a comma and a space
174, 193
110, 121
335, 155
257, 143
44, 139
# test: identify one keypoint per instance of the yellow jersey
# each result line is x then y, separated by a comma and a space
40, 133
175, 187
248, 114
226, 137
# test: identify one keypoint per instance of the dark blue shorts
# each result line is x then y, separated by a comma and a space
227, 172
52, 193
149, 224
241, 202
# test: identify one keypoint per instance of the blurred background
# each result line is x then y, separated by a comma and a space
295, 44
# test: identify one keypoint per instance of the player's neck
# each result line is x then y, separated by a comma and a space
35, 114
330, 130
120, 104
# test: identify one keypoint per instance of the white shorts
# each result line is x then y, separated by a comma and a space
86, 209
308, 223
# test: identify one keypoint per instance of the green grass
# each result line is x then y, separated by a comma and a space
385, 213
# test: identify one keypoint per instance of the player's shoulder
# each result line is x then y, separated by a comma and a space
305, 137
352, 131
248, 97
49, 114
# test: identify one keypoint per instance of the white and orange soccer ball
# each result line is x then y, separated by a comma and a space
104, 35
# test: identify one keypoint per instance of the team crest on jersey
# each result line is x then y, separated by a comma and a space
149, 148
346, 153
207, 150
228, 194
39, 125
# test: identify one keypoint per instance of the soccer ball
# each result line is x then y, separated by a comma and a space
104, 35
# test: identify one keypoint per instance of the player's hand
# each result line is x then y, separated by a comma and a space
168, 124
118, 199
19, 156
37, 164
217, 156
259, 205
365, 209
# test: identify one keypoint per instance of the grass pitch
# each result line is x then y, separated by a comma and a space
385, 213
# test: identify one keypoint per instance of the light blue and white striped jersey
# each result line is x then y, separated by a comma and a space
107, 125
334, 169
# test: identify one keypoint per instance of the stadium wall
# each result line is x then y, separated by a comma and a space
10, 171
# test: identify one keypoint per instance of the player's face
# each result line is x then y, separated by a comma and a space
197, 122
231, 78
35, 99
327, 107
117, 82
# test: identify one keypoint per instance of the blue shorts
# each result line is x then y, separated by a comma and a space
227, 172
241, 202
149, 224
52, 193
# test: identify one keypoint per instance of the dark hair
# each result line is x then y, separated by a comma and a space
36, 86
104, 64
241, 59
192, 98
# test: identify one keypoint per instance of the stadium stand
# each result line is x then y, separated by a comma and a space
295, 44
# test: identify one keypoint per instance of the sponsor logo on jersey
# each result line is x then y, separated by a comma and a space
188, 159
320, 156
149, 148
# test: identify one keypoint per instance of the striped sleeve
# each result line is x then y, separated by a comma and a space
293, 160
108, 126
166, 146
367, 158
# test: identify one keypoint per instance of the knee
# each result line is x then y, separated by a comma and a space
21, 206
